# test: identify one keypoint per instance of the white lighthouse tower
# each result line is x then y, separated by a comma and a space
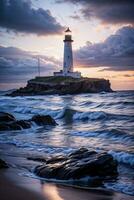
68, 54
68, 58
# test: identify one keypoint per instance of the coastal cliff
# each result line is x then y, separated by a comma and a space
63, 85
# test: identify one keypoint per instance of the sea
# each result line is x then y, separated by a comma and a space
100, 122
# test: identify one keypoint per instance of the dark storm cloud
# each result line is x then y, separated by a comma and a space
19, 16
19, 66
12, 51
109, 11
115, 53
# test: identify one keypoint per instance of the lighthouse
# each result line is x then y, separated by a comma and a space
68, 58
68, 54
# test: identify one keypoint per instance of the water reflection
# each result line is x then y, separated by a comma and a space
54, 192
51, 192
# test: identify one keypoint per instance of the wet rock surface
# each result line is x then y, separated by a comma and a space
43, 120
3, 164
8, 122
6, 117
24, 124
79, 164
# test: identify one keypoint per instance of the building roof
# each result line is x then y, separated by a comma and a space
68, 30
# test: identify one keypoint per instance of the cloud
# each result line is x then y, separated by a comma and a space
115, 53
19, 16
75, 17
18, 66
108, 11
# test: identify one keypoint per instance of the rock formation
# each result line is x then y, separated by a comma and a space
63, 85
9, 122
79, 164
3, 164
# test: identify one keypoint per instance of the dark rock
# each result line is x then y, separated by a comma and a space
62, 85
56, 159
4, 127
38, 159
43, 120
79, 164
8, 122
14, 126
10, 126
6, 117
3, 164
24, 124
81, 153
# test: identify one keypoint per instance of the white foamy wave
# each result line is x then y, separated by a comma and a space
66, 112
127, 188
89, 115
61, 113
23, 110
123, 157
34, 111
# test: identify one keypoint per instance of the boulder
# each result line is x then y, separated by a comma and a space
3, 164
6, 117
24, 124
43, 120
4, 127
8, 122
10, 126
79, 164
14, 126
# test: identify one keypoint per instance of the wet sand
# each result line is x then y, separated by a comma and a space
16, 185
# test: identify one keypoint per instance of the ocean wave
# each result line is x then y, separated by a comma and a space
86, 103
37, 147
70, 113
66, 113
128, 103
33, 111
121, 103
90, 115
117, 134
95, 115
126, 188
113, 134
57, 114
78, 115
123, 157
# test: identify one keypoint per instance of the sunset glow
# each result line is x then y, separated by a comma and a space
110, 55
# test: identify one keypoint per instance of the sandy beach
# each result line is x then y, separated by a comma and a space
14, 186
10, 190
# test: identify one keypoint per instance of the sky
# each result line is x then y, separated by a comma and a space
102, 30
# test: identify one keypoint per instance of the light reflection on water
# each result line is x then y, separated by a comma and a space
51, 192
102, 122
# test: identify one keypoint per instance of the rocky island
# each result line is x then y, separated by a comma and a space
63, 85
